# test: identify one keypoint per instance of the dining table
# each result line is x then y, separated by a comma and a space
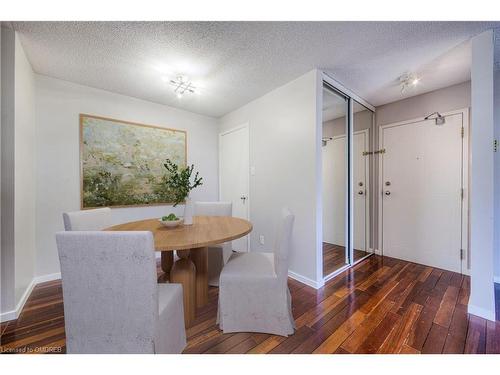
191, 244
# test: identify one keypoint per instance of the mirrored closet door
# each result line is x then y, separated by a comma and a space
362, 158
334, 170
347, 175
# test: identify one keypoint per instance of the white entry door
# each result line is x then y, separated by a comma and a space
234, 171
334, 190
422, 192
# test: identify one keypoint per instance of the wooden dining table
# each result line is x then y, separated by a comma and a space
191, 243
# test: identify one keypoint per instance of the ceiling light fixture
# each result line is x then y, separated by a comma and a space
408, 80
182, 85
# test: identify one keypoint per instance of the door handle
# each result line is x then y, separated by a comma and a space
360, 192
387, 192
243, 198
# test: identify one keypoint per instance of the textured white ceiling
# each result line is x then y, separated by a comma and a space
236, 62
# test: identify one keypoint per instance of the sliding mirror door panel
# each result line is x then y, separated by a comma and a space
362, 180
334, 173
348, 181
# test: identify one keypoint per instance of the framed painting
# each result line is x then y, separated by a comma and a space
121, 162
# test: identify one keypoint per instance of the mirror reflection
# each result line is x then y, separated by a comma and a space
362, 179
334, 151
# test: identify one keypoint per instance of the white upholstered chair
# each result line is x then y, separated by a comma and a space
95, 219
253, 290
218, 255
112, 302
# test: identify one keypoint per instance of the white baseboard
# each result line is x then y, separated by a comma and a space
479, 311
14, 314
49, 277
8, 315
378, 252
24, 297
305, 280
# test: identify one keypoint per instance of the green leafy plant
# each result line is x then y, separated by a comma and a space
178, 181
170, 217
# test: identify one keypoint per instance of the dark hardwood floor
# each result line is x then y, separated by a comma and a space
334, 257
381, 305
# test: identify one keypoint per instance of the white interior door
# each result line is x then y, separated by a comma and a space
421, 197
334, 193
334, 184
234, 171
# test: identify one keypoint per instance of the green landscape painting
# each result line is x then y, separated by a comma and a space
122, 163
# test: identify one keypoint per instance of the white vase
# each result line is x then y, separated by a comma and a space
188, 211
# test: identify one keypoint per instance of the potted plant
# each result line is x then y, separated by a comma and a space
179, 184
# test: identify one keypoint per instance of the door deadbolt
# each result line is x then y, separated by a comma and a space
360, 184
388, 183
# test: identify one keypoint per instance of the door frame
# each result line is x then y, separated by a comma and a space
245, 125
465, 261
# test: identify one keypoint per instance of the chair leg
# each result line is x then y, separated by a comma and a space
215, 265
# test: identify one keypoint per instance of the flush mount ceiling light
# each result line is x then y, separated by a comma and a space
182, 85
408, 80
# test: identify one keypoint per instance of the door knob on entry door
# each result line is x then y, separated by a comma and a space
360, 192
243, 198
387, 192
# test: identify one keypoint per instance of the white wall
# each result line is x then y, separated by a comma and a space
24, 172
7, 162
442, 100
284, 149
58, 105
1, 247
482, 300
497, 173
18, 188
